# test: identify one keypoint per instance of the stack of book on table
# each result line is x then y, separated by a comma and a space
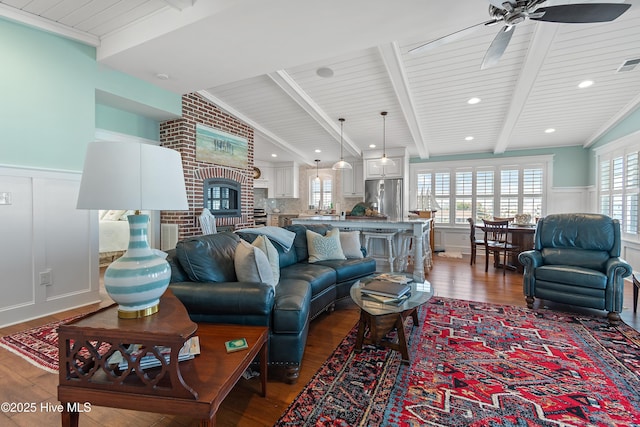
386, 291
148, 359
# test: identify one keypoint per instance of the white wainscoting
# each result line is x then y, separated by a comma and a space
43, 232
569, 199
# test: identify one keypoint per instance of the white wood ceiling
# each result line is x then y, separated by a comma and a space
259, 59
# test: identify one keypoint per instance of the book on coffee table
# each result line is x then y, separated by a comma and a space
387, 300
385, 288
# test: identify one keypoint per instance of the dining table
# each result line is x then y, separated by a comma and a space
520, 235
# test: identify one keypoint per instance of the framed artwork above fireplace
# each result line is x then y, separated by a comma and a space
222, 148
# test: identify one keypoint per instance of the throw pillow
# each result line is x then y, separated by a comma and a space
252, 264
323, 248
264, 244
350, 242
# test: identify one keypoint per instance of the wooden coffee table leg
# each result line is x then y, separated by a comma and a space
402, 340
263, 368
361, 330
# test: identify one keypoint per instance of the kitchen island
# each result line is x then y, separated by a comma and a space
419, 228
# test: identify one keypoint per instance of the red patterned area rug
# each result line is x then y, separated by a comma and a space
476, 364
39, 345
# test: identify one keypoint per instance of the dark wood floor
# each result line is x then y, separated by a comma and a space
453, 278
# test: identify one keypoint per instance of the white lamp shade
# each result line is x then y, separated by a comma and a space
132, 176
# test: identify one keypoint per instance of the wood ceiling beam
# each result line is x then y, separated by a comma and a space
302, 98
390, 54
539, 46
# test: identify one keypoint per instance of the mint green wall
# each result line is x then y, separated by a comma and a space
48, 109
121, 121
128, 87
47, 97
629, 125
570, 164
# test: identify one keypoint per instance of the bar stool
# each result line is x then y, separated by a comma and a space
388, 236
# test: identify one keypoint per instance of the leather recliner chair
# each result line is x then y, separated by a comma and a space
576, 261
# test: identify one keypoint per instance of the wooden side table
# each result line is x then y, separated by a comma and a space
194, 387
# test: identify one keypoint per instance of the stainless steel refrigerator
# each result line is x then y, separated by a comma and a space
386, 196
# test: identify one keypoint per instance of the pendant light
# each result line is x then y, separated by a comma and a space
317, 178
341, 164
385, 161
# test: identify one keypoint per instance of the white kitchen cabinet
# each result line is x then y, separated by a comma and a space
286, 181
375, 170
353, 180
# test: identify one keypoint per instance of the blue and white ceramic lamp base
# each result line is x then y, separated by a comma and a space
137, 279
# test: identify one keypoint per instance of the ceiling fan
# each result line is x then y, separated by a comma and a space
513, 12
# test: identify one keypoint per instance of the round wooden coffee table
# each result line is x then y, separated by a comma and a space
378, 318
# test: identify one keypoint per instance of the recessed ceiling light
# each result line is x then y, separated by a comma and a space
162, 76
468, 138
550, 130
325, 72
372, 145
317, 150
585, 83
473, 100
274, 155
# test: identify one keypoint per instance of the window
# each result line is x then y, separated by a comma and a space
619, 188
484, 191
222, 196
321, 190
464, 196
484, 195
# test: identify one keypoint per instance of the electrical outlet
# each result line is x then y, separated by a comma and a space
46, 278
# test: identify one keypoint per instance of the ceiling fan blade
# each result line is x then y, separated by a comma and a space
497, 47
450, 37
581, 13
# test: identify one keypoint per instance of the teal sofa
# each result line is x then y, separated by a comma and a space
576, 261
204, 279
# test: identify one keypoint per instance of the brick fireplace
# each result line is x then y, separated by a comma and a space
180, 135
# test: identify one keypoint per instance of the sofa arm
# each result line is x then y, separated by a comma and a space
530, 260
617, 269
225, 298
291, 309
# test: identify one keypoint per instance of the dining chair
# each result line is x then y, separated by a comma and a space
496, 240
475, 242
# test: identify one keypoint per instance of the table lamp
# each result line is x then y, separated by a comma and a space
134, 176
